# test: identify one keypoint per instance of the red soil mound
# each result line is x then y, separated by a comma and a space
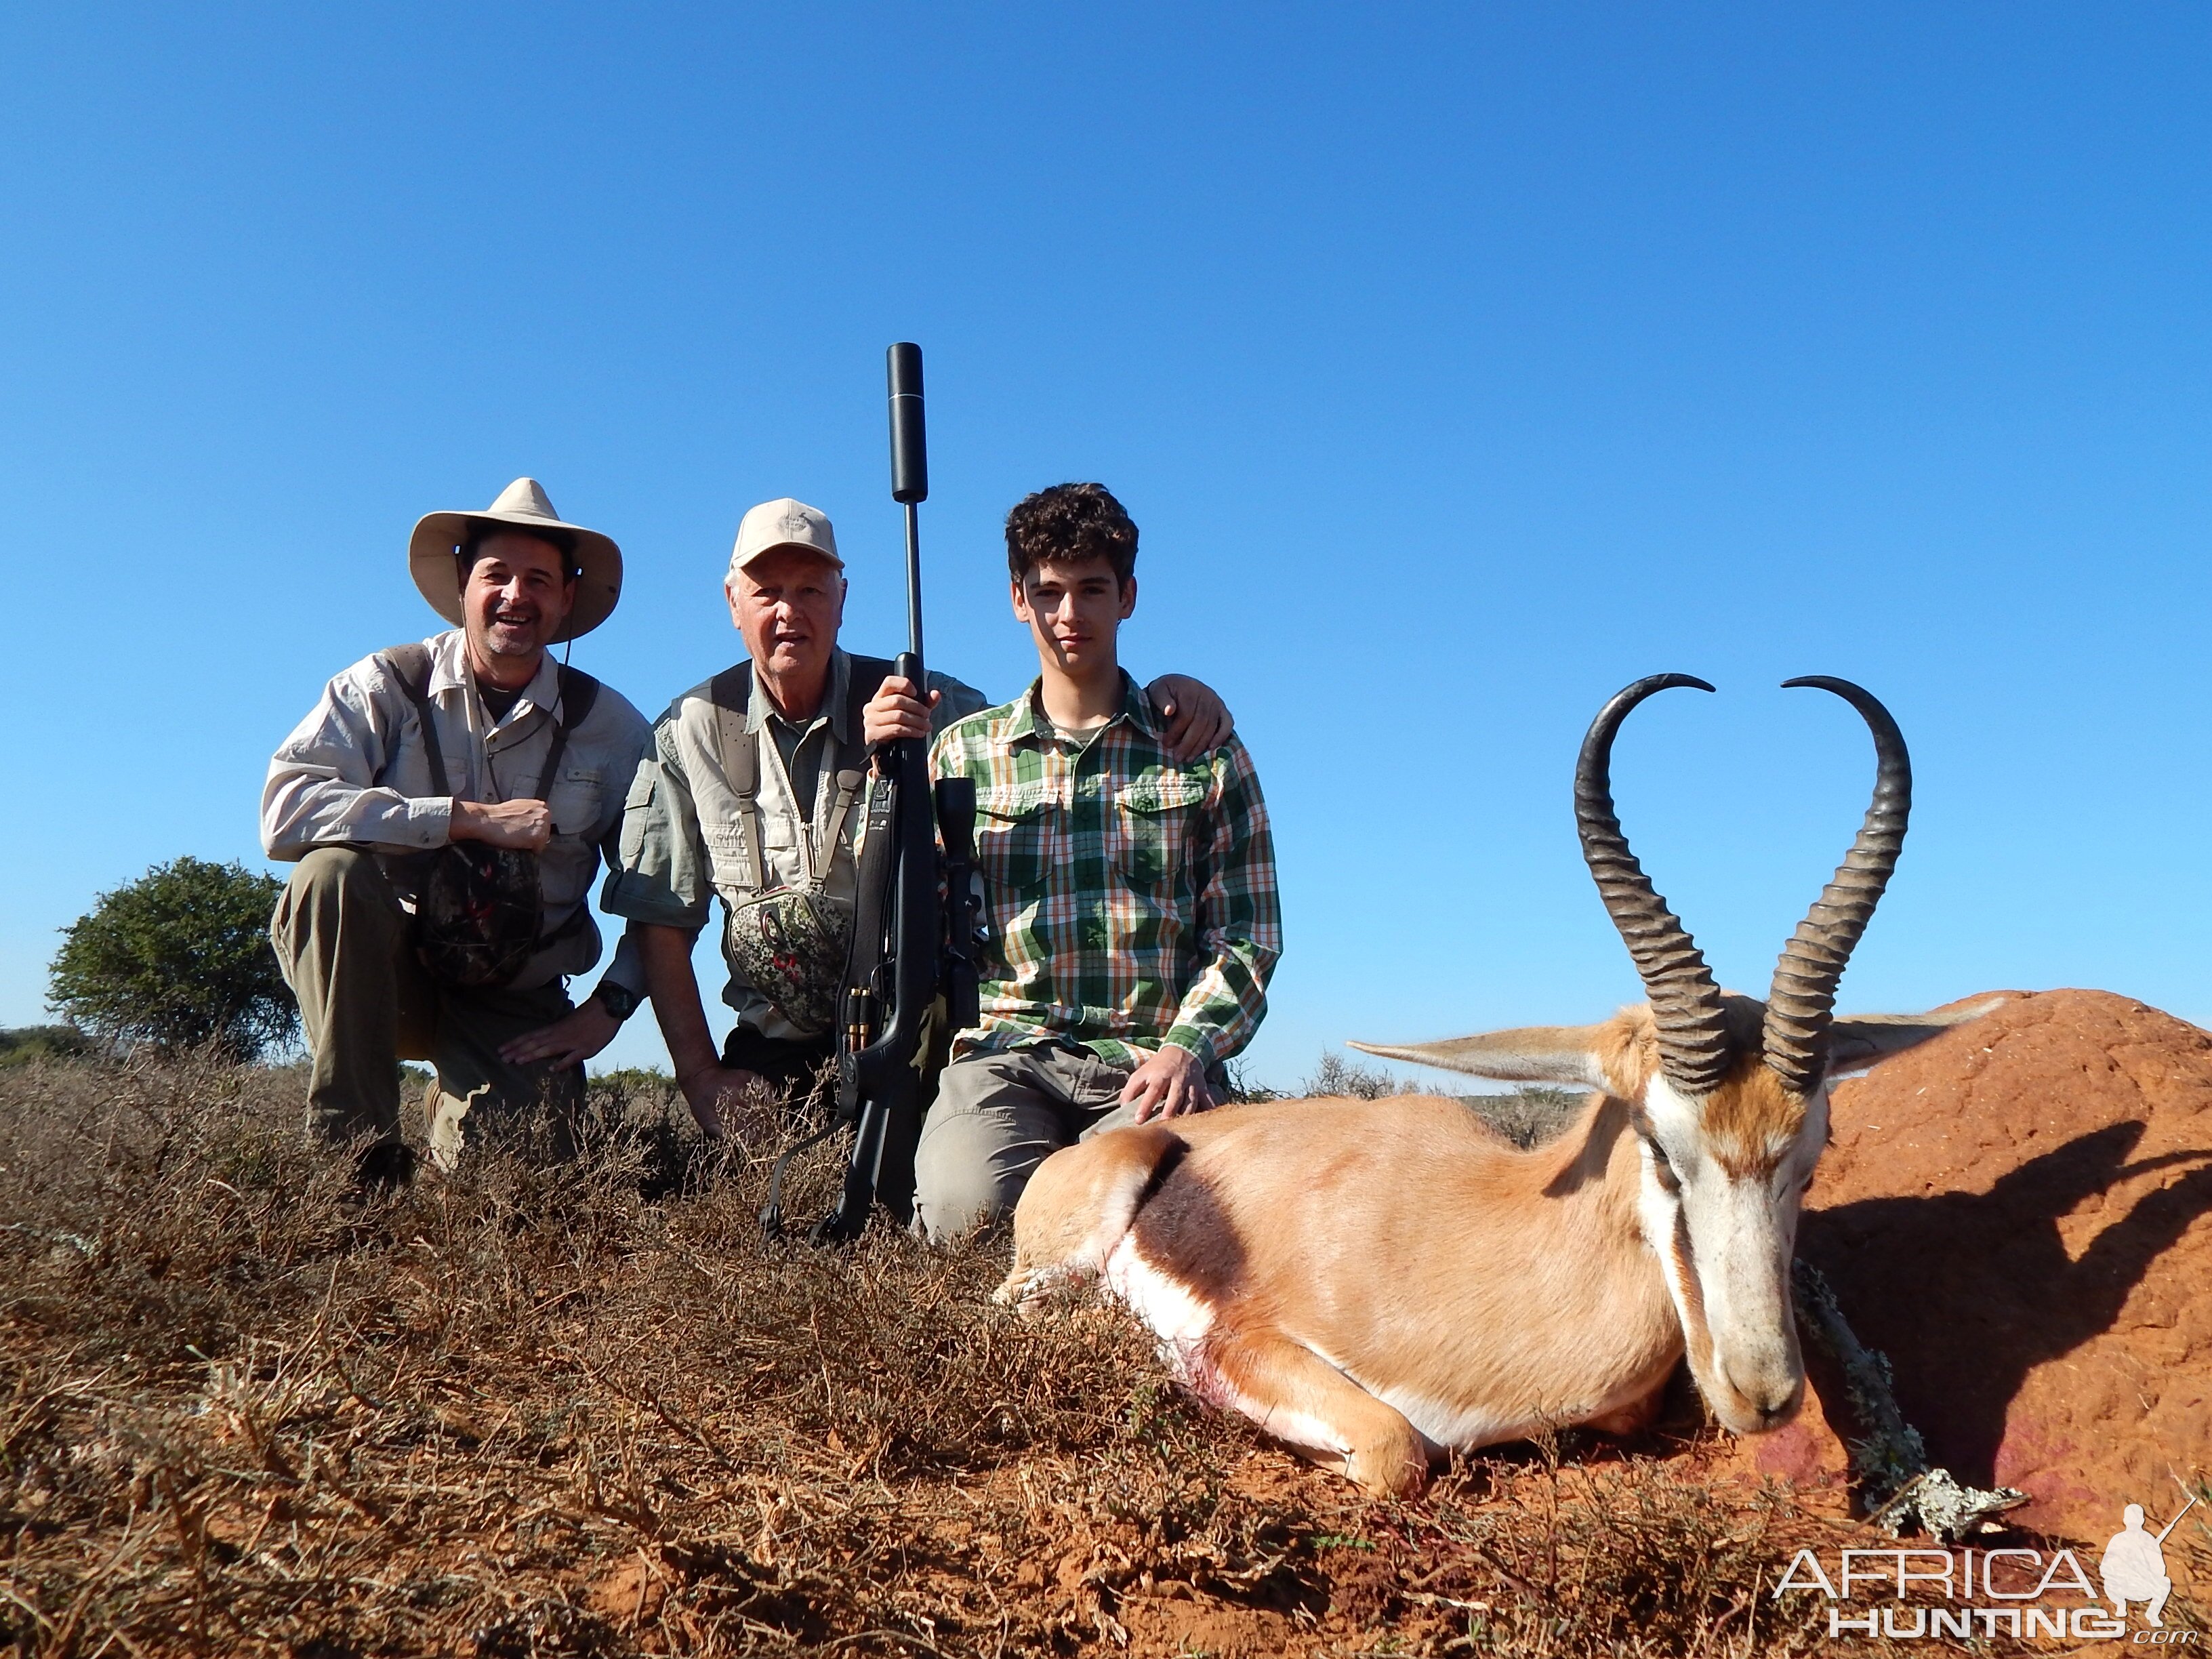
2019, 1214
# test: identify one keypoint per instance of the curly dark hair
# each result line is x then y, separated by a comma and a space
1070, 521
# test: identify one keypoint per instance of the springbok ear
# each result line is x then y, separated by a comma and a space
1534, 1054
1864, 1039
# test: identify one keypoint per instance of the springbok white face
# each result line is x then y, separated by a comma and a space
1721, 1213
1730, 1094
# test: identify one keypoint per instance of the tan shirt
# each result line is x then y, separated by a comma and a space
684, 836
356, 773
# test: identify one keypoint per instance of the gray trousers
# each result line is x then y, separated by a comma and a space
996, 1118
366, 1004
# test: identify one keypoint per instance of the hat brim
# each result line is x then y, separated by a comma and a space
437, 572
822, 553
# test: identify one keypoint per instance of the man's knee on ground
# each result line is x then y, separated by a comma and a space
962, 1173
957, 1210
956, 1189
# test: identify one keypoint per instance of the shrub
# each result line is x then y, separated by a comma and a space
1335, 1075
179, 958
1529, 1117
22, 1044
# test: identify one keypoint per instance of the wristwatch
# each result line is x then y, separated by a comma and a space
618, 999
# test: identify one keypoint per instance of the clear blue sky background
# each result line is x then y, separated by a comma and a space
1461, 364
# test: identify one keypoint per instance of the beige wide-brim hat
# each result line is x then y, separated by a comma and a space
521, 506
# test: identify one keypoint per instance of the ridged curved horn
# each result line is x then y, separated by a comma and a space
1693, 1041
1799, 1008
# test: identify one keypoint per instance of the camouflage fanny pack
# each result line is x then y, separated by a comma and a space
479, 909
790, 945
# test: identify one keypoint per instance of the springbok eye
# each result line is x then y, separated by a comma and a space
1668, 1181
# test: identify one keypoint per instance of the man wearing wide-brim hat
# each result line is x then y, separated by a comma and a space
447, 805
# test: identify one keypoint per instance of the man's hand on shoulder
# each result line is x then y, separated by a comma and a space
896, 711
1169, 1083
523, 825
1197, 721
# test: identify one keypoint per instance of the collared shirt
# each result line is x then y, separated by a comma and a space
1133, 897
683, 832
356, 773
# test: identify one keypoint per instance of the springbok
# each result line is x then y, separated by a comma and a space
1378, 1281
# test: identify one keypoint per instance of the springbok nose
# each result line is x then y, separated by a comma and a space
1773, 1396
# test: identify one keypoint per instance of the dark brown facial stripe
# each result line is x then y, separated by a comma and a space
1697, 1336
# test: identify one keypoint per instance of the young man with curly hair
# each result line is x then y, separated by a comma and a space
1134, 907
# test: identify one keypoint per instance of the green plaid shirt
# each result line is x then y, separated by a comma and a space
1133, 899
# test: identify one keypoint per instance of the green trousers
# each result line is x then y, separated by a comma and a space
366, 1004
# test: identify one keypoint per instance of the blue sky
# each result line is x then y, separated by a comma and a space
1460, 365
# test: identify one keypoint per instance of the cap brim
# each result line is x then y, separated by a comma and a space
738, 563
437, 574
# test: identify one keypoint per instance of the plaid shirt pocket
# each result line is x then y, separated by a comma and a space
1148, 835
1018, 829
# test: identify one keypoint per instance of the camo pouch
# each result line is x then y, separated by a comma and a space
788, 942
477, 913
479, 909
789, 945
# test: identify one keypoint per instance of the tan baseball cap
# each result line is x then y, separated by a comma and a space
783, 523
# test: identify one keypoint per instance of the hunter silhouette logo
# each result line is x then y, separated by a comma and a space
1933, 1593
2134, 1566
794, 522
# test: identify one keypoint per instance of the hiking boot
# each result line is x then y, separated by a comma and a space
384, 1169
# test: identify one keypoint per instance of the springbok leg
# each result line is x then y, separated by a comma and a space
1300, 1398
1636, 1416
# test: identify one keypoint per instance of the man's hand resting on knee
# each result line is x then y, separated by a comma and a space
1167, 1084
569, 1041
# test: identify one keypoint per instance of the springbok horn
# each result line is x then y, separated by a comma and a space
1803, 998
1693, 1040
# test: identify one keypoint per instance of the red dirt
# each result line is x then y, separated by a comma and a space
2019, 1214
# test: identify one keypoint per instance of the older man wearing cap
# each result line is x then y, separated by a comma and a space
447, 805
751, 792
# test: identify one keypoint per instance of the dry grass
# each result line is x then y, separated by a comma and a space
533, 1413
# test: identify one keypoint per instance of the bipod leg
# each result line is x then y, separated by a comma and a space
902, 1132
883, 1159
850, 1218
771, 1215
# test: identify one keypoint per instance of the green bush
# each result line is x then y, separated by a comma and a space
20, 1045
178, 959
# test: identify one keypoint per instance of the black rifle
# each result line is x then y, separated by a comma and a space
909, 946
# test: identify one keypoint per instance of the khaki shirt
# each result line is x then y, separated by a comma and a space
356, 773
683, 834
